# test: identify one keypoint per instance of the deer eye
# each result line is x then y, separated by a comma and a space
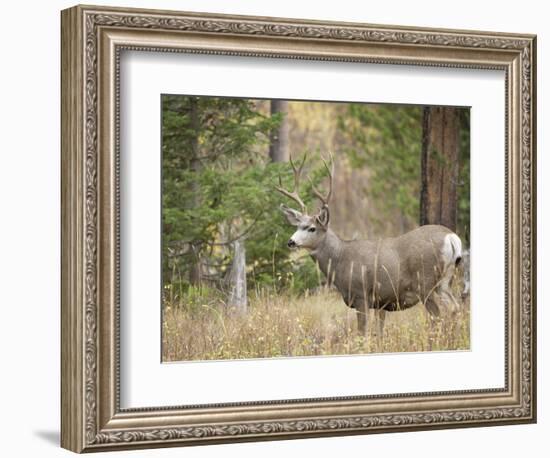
311, 229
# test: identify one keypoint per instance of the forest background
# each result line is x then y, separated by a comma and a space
396, 167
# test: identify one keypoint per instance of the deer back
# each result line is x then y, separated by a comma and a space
403, 269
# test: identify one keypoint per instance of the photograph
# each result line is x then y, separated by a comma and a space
295, 228
299, 228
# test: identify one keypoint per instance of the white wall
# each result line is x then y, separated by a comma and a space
29, 229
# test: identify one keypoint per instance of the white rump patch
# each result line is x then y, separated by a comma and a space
451, 252
452, 249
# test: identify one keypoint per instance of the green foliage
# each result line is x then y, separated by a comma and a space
388, 140
218, 185
306, 275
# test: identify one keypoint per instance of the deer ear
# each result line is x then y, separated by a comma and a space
292, 216
323, 216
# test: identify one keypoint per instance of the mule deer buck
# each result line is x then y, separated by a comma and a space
386, 275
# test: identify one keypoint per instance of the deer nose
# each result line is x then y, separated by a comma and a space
291, 243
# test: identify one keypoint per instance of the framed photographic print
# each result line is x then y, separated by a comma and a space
278, 228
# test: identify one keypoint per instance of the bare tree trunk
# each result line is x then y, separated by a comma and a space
440, 156
195, 271
237, 279
278, 148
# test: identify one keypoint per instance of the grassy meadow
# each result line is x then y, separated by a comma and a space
201, 327
227, 166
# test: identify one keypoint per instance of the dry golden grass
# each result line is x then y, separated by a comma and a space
311, 325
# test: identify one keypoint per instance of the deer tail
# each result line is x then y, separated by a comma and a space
452, 249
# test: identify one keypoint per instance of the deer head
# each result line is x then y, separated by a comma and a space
311, 229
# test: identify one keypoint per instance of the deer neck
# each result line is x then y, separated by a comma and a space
328, 252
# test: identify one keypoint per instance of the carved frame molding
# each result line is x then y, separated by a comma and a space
92, 39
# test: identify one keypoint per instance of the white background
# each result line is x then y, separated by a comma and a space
29, 241
147, 75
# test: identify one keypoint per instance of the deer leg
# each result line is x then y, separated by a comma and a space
380, 319
450, 301
445, 290
432, 307
434, 314
381, 322
362, 310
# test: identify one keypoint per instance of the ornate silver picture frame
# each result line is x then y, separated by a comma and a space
93, 39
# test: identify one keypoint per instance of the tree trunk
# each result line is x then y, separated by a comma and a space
440, 156
237, 279
278, 148
195, 270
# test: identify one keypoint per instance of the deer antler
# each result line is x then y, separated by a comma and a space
330, 170
294, 193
